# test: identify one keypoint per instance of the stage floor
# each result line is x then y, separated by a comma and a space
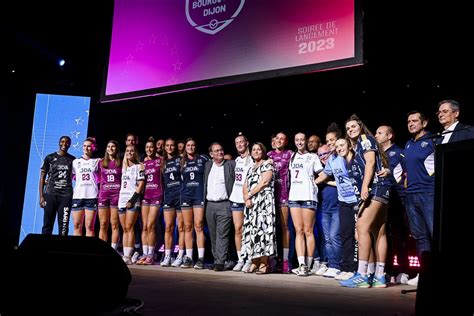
176, 291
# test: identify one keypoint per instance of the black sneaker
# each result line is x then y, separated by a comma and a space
187, 263
218, 267
199, 264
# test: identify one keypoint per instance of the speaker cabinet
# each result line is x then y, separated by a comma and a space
66, 275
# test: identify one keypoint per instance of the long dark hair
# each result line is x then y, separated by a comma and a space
184, 158
173, 155
106, 159
151, 140
366, 131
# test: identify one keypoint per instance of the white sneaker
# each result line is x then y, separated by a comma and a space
331, 273
402, 278
166, 262
413, 281
302, 270
135, 257
322, 269
246, 267
316, 266
238, 267
127, 260
344, 276
177, 262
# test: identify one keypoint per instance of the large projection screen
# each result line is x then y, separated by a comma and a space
55, 116
161, 46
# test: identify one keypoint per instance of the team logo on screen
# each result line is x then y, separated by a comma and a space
212, 16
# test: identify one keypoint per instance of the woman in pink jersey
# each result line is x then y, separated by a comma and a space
281, 159
151, 201
110, 175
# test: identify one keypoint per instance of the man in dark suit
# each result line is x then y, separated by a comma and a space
448, 116
218, 183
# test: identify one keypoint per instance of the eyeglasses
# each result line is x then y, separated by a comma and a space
444, 112
217, 150
324, 154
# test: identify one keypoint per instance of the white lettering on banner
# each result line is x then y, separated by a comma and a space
204, 3
214, 10
316, 37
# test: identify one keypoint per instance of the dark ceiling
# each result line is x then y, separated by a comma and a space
414, 54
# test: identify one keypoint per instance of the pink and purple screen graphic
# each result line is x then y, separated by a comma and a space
164, 45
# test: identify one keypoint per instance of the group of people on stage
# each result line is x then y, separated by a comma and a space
350, 180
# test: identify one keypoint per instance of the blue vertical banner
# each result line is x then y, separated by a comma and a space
55, 116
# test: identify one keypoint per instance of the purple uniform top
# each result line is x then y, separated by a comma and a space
109, 179
281, 160
154, 183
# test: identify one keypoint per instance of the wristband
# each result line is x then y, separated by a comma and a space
134, 198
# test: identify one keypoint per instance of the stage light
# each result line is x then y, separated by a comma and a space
61, 62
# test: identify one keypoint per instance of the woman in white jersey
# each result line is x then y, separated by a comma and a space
242, 165
129, 198
303, 202
84, 200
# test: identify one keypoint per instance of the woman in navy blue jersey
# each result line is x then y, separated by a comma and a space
192, 202
373, 189
171, 171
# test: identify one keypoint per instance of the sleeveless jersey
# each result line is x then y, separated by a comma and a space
86, 172
367, 143
172, 179
192, 172
130, 177
302, 170
109, 179
281, 160
242, 166
154, 183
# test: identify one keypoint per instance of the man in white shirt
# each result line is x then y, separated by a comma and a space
218, 183
448, 116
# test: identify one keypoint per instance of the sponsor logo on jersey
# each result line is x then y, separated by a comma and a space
191, 169
149, 171
366, 144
